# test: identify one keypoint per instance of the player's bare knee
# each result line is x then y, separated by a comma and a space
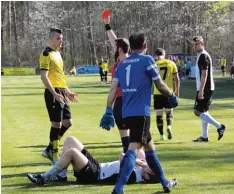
124, 133
150, 146
169, 112
56, 124
72, 152
69, 139
68, 153
134, 146
67, 123
159, 112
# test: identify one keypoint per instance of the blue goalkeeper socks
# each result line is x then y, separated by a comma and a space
126, 167
155, 166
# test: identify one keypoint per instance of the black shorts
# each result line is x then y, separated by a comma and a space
101, 73
90, 173
204, 104
222, 68
187, 72
139, 127
161, 102
57, 111
118, 114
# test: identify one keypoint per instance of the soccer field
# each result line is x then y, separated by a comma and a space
201, 168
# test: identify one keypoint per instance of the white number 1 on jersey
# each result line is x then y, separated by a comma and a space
128, 68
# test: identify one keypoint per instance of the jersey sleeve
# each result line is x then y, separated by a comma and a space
152, 68
203, 62
113, 71
174, 69
44, 62
115, 76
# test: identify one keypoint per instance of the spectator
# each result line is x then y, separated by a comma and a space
188, 68
73, 71
105, 70
223, 62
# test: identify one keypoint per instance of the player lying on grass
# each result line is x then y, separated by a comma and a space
87, 170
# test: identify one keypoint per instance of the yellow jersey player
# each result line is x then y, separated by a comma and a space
223, 63
73, 71
105, 70
168, 73
56, 92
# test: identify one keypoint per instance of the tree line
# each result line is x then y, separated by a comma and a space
169, 25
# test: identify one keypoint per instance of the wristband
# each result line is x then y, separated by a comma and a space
108, 27
109, 110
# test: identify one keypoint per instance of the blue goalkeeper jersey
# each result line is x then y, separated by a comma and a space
135, 75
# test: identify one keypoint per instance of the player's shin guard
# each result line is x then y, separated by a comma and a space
126, 167
169, 119
160, 124
54, 151
62, 131
55, 142
155, 166
125, 143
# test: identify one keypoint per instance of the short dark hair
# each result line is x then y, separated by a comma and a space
137, 41
160, 52
152, 179
53, 31
56, 30
198, 38
122, 43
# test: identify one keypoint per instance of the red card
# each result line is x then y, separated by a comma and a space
106, 13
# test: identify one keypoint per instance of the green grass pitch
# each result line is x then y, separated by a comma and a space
201, 168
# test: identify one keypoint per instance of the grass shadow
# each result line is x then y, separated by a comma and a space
7, 176
33, 146
159, 192
26, 165
24, 94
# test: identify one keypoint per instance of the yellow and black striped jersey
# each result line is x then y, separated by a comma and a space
167, 69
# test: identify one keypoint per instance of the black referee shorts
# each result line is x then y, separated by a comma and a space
118, 114
204, 104
139, 127
56, 110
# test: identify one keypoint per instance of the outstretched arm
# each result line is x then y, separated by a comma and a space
139, 162
110, 33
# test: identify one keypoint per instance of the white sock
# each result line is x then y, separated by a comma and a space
63, 173
54, 171
209, 119
205, 127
